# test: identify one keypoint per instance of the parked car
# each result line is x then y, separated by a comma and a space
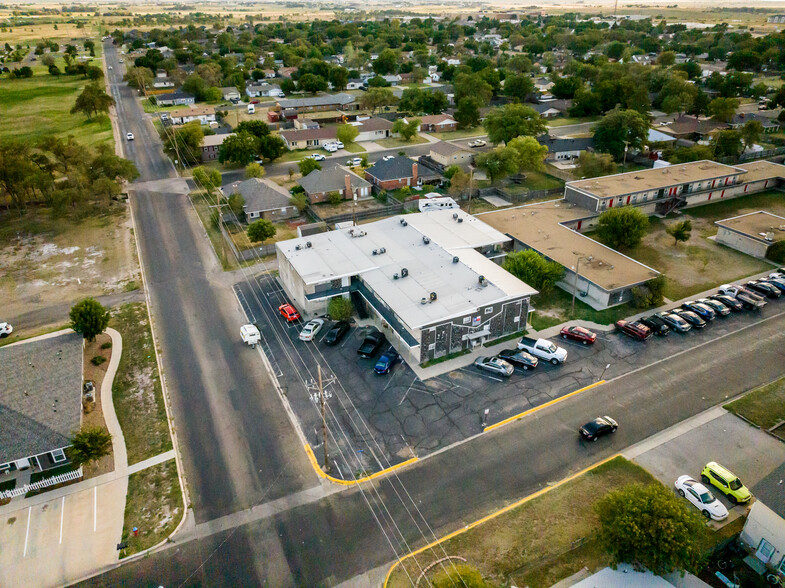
386, 361
634, 329
317, 157
691, 318
729, 301
578, 334
371, 344
338, 144
330, 147
129, 136
336, 333
778, 283
476, 143
289, 312
600, 426
701, 498
777, 276
495, 365
718, 307
764, 289
726, 481
543, 349
703, 311
749, 299
354, 161
311, 329
656, 325
518, 358
5, 330
388, 157
675, 322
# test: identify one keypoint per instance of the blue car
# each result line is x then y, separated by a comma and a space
385, 363
702, 310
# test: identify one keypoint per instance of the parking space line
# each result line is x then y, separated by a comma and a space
62, 512
347, 338
27, 533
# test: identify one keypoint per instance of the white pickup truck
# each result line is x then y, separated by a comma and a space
543, 349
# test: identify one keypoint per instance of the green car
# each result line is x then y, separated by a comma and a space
726, 481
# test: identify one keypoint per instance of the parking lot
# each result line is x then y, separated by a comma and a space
378, 421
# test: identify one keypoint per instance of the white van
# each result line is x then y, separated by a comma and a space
251, 109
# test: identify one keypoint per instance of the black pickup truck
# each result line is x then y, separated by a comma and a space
371, 344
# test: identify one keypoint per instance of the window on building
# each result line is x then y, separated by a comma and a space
58, 455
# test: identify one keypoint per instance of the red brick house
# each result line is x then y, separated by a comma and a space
320, 182
394, 173
438, 123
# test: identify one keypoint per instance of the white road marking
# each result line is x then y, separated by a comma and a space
95, 508
27, 533
62, 512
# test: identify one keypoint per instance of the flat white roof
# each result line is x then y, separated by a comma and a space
430, 265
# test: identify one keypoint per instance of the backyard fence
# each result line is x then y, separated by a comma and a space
245, 254
41, 484
388, 210
519, 197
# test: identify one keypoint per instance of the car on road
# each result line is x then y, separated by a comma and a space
371, 344
691, 318
726, 482
656, 325
718, 307
674, 321
763, 288
129, 136
495, 365
354, 161
634, 329
122, 61
518, 358
476, 143
289, 312
317, 157
336, 333
729, 301
703, 311
311, 329
579, 334
109, 68
5, 330
600, 426
386, 361
701, 498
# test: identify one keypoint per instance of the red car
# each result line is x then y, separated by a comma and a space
579, 334
289, 311
634, 330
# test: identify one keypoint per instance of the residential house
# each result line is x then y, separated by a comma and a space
693, 128
175, 99
305, 123
211, 146
437, 123
355, 84
373, 129
398, 172
321, 182
392, 79
764, 532
264, 199
230, 93
543, 85
406, 78
263, 90
447, 154
162, 80
204, 114
308, 138
742, 118
627, 576
561, 148
455, 62
546, 109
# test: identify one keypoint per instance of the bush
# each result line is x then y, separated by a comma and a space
340, 308
89, 318
650, 294
334, 198
107, 345
297, 190
98, 360
532, 268
261, 230
622, 228
776, 252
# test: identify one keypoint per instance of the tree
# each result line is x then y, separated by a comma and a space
694, 153
300, 201
510, 121
498, 163
461, 575
261, 230
518, 87
240, 148
92, 100
254, 170
677, 103
340, 308
94, 73
723, 109
619, 128
667, 58
377, 97
140, 78
185, 143
532, 268
700, 103
650, 527
472, 85
467, 114
339, 77
334, 198
89, 318
407, 128
593, 165
529, 154
459, 182
622, 228
680, 231
565, 88
651, 294
386, 63
347, 133
272, 147
307, 165
89, 445
727, 144
311, 83
207, 178
585, 103
751, 132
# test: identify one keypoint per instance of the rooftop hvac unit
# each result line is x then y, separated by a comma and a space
433, 296
454, 216
382, 250
403, 222
404, 272
395, 276
308, 244
460, 220
298, 247
483, 282
423, 300
455, 259
426, 240
376, 252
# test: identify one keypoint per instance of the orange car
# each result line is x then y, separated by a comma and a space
289, 311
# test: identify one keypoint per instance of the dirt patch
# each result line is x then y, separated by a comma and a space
93, 414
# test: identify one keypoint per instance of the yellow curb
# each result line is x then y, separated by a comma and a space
326, 476
497, 513
540, 407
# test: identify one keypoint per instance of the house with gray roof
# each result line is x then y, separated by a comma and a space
561, 148
741, 118
320, 182
177, 98
309, 138
263, 199
398, 172
40, 401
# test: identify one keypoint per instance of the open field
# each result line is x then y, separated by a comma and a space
554, 308
240, 239
459, 134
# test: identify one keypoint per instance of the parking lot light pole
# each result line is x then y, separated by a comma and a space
602, 375
575, 279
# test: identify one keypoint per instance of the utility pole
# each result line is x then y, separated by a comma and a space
324, 422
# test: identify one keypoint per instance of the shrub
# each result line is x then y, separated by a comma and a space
622, 228
649, 294
98, 360
334, 198
107, 345
298, 189
340, 308
776, 252
532, 268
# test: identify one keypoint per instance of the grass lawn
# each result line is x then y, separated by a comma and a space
392, 142
154, 505
40, 106
534, 543
241, 241
564, 121
460, 134
553, 308
136, 391
535, 181
769, 81
354, 148
763, 406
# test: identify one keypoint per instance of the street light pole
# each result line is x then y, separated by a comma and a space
575, 286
